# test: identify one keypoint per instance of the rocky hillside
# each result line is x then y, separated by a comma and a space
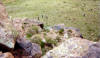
82, 14
28, 38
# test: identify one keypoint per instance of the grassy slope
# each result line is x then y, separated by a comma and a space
76, 13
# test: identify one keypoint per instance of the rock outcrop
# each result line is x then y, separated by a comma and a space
71, 48
7, 37
12, 43
26, 49
6, 34
27, 38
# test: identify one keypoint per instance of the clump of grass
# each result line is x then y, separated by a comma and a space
46, 29
58, 39
32, 31
61, 31
36, 39
69, 33
44, 33
35, 28
28, 35
50, 40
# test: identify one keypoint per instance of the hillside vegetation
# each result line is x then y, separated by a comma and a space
82, 14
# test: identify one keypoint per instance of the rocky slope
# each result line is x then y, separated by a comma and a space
28, 38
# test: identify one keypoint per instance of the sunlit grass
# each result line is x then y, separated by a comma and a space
80, 14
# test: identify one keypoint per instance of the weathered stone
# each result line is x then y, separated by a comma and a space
27, 49
6, 33
73, 47
3, 13
72, 32
6, 55
93, 51
7, 38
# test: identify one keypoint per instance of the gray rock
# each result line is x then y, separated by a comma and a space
73, 32
7, 37
25, 48
93, 51
6, 34
71, 48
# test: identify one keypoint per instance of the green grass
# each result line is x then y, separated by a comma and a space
82, 14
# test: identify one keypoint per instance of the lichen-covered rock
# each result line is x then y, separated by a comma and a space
3, 13
73, 47
6, 55
7, 37
6, 30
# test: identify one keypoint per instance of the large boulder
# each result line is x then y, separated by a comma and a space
6, 30
3, 13
26, 49
7, 37
74, 47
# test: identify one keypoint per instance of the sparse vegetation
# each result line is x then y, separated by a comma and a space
58, 38
32, 30
79, 14
50, 40
45, 46
36, 39
61, 31
31, 33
